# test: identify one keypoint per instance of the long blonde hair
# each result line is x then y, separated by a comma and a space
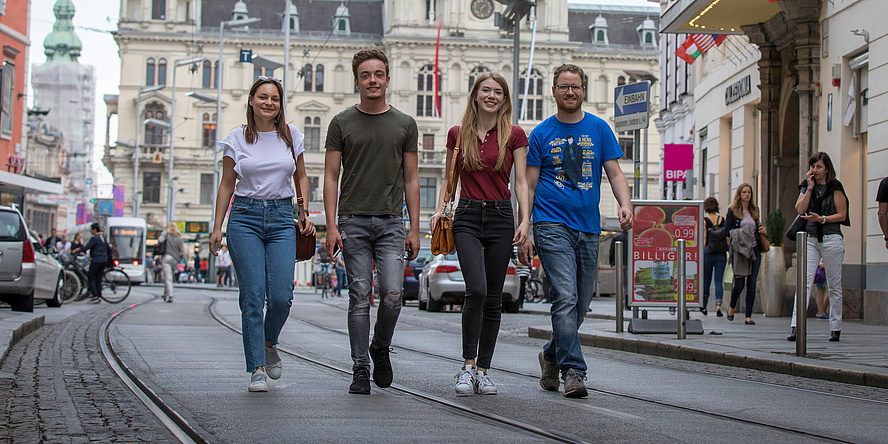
737, 204
468, 128
173, 229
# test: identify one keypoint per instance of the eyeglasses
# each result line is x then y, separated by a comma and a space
274, 79
564, 88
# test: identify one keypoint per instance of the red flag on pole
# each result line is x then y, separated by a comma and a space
437, 46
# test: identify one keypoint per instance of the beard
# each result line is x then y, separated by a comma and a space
562, 106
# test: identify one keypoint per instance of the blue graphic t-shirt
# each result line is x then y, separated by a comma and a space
570, 157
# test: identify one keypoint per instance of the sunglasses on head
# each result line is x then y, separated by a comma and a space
273, 79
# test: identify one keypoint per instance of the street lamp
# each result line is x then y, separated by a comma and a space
216, 173
176, 64
142, 90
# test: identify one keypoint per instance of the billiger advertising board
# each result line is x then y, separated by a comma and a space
653, 258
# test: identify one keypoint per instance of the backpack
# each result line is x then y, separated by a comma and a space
159, 249
717, 240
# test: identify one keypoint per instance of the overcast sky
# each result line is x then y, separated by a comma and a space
93, 21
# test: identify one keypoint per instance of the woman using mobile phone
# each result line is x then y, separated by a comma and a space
823, 203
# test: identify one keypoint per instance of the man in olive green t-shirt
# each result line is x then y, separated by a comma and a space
374, 145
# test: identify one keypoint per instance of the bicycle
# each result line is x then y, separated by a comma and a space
533, 289
116, 285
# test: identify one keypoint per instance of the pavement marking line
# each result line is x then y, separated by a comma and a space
592, 408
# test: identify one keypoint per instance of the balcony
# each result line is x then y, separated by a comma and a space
432, 158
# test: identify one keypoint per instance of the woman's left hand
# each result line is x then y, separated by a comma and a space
762, 230
520, 234
812, 216
307, 228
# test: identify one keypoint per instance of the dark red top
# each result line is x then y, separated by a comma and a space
487, 183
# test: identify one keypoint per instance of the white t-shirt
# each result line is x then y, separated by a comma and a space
265, 168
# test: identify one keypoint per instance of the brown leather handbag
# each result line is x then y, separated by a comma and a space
306, 245
442, 232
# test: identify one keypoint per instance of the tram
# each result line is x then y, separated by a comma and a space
127, 236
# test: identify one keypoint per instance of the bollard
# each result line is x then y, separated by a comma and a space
618, 251
681, 311
801, 301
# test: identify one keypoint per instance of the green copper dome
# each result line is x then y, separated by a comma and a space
62, 44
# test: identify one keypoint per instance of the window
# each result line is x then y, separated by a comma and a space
621, 81
534, 110
319, 78
313, 78
626, 139
7, 98
425, 105
154, 134
312, 131
428, 147
150, 71
427, 195
307, 77
162, 72
155, 73
150, 187
209, 130
599, 36
648, 38
314, 194
586, 88
207, 74
206, 188
257, 71
342, 25
477, 71
158, 9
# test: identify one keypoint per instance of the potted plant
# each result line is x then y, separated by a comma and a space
774, 269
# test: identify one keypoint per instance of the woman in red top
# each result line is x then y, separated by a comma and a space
484, 225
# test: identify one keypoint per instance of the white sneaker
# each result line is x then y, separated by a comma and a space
465, 381
257, 382
273, 364
483, 384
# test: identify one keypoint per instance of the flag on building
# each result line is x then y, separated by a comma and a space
706, 41
688, 51
697, 44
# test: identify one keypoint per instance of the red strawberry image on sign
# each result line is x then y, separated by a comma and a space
654, 237
655, 214
639, 225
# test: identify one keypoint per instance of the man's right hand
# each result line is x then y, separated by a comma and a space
333, 239
525, 253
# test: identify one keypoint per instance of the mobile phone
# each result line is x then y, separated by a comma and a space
408, 253
336, 251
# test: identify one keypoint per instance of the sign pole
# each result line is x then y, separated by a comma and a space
637, 180
681, 287
618, 251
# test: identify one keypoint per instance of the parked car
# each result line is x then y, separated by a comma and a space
411, 273
441, 282
27, 271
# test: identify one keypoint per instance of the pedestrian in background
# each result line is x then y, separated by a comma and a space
715, 257
77, 243
374, 145
742, 229
567, 220
341, 280
99, 255
52, 239
484, 223
175, 248
882, 212
259, 162
823, 203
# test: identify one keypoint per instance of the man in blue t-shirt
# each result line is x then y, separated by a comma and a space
564, 162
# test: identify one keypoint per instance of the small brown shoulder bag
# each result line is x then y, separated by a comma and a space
305, 244
442, 232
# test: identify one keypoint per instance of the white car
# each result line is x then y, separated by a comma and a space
26, 270
441, 282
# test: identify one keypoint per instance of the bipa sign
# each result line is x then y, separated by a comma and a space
677, 160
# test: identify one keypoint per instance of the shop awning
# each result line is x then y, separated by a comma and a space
30, 184
715, 16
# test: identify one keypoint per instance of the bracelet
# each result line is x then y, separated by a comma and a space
824, 220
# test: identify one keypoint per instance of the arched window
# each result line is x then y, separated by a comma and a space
307, 77
162, 72
312, 131
154, 134
621, 81
599, 36
534, 109
208, 127
648, 38
207, 74
319, 78
259, 71
478, 70
150, 70
425, 104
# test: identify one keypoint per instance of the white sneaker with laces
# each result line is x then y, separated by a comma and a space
258, 382
273, 364
483, 384
465, 381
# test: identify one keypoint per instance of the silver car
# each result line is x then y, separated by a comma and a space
441, 282
26, 270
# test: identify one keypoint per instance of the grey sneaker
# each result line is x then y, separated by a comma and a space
273, 364
483, 384
465, 381
257, 382
549, 379
574, 385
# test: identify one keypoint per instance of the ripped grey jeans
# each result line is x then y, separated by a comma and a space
368, 242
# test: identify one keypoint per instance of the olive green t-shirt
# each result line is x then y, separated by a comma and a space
373, 147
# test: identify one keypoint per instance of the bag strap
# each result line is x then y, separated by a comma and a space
451, 182
299, 200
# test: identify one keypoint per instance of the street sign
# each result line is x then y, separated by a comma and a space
631, 104
89, 181
106, 207
246, 56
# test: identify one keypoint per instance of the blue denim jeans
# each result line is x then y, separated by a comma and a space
367, 242
262, 244
482, 232
714, 263
570, 259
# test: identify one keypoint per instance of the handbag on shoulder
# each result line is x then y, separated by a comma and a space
442, 232
305, 244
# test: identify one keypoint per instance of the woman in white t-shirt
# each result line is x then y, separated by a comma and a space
259, 160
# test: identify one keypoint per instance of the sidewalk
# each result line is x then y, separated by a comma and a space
860, 358
14, 326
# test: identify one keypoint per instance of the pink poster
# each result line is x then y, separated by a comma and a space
677, 160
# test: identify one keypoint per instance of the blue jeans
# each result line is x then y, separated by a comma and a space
482, 232
749, 282
570, 259
369, 241
714, 262
262, 244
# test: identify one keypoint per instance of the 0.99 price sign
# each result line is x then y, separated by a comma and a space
653, 252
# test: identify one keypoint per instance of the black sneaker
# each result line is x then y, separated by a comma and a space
382, 366
361, 382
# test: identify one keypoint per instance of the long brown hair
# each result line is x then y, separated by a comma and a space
280, 123
468, 128
737, 205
